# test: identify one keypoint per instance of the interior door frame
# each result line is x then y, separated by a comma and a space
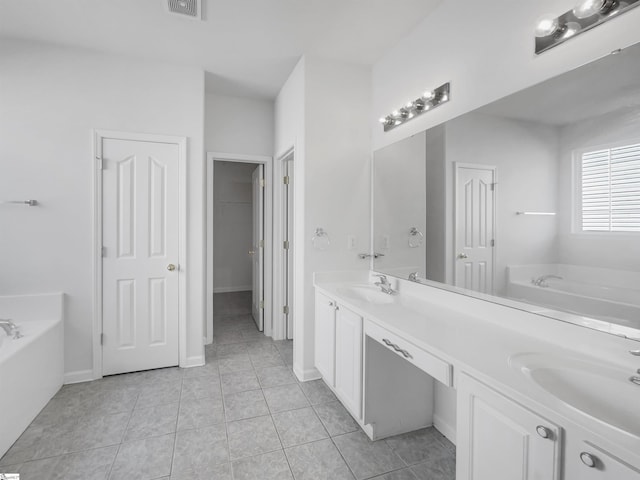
268, 236
279, 320
454, 240
181, 142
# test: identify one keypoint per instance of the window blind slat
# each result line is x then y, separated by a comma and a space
611, 189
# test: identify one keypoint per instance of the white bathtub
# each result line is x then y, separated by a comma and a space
32, 367
601, 293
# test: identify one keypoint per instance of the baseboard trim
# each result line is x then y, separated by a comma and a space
445, 429
307, 375
232, 289
78, 376
195, 361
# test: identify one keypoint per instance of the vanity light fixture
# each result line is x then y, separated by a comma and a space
428, 101
552, 31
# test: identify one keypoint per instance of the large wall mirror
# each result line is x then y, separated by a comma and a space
532, 201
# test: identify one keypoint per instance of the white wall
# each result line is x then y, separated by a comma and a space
525, 155
238, 125
485, 49
50, 100
232, 226
322, 110
337, 173
618, 250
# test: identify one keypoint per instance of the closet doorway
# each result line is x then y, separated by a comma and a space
239, 232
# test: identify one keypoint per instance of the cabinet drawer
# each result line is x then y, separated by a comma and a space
434, 366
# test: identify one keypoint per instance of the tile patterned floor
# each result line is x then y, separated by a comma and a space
241, 416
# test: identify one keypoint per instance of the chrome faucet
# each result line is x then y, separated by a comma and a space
413, 277
10, 328
541, 281
384, 285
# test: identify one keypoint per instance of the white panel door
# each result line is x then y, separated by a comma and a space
257, 247
474, 228
349, 359
325, 341
500, 440
139, 265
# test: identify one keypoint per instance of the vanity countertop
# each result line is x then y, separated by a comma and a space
482, 338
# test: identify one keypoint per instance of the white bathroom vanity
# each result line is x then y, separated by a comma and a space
536, 398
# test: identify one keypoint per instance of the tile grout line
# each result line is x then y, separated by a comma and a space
175, 435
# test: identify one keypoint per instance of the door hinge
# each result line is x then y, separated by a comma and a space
493, 186
262, 304
285, 244
286, 180
261, 244
493, 243
285, 309
102, 339
100, 163
104, 252
262, 182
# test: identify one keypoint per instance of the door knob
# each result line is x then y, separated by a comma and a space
251, 252
462, 255
171, 267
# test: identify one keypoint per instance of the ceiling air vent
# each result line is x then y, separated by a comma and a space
188, 8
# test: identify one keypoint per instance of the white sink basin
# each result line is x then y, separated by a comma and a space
602, 392
365, 293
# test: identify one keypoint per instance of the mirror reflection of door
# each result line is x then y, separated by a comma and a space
474, 227
257, 247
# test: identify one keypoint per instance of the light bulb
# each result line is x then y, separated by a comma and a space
382, 120
409, 105
395, 113
547, 26
428, 95
589, 8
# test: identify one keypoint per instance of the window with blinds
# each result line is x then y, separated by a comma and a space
611, 189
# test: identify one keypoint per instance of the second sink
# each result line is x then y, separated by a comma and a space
603, 392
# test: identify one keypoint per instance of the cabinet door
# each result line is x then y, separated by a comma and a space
349, 359
588, 462
325, 337
499, 439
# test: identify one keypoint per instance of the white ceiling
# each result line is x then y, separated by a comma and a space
247, 47
601, 87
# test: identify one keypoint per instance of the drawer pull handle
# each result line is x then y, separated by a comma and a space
588, 459
404, 353
543, 431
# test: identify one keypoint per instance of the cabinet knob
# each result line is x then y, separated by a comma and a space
588, 459
543, 431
